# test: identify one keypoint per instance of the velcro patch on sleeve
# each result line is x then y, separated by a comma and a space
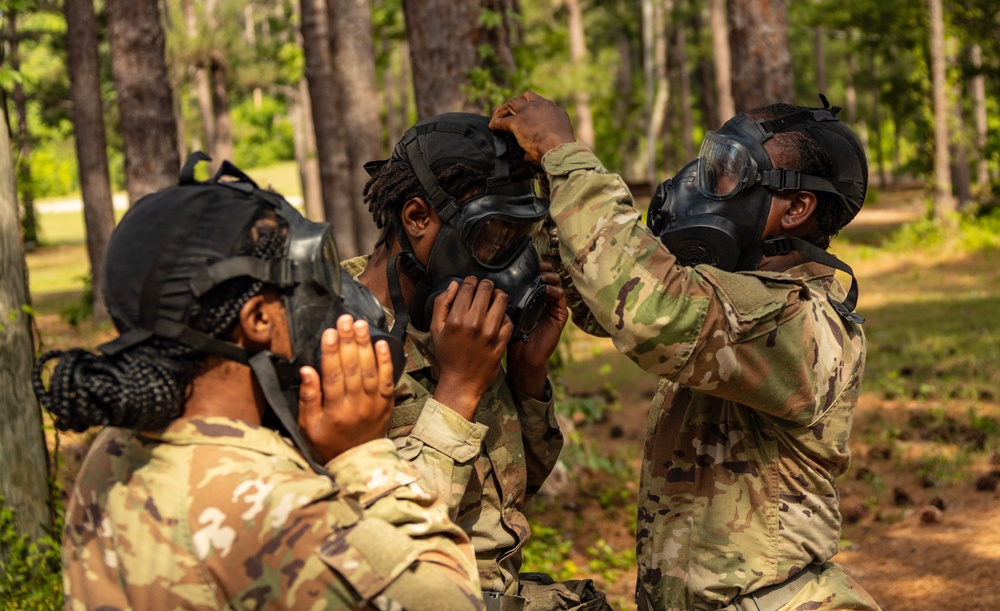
369, 555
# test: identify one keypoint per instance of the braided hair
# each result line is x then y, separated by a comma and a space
800, 151
395, 183
145, 387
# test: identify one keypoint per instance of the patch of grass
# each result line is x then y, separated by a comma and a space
58, 269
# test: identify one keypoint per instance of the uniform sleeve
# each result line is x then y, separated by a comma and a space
275, 536
542, 439
443, 446
760, 341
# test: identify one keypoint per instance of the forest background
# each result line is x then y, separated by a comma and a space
103, 100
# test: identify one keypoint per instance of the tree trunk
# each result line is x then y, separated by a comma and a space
649, 74
353, 59
23, 480
91, 143
878, 151
850, 89
145, 104
222, 148
960, 174
338, 199
721, 53
443, 38
584, 123
944, 203
706, 75
684, 72
25, 184
448, 40
758, 35
305, 154
978, 87
202, 88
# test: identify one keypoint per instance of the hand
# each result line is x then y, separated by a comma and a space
353, 401
538, 124
470, 330
528, 362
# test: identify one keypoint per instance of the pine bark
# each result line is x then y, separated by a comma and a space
145, 100
723, 60
338, 198
584, 122
23, 480
25, 184
978, 98
758, 35
353, 59
944, 202
91, 142
443, 37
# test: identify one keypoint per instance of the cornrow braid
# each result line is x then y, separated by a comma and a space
145, 387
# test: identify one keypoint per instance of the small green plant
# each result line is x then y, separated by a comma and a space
82, 309
548, 551
30, 573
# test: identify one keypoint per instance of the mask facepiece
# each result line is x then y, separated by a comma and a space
701, 230
489, 236
715, 209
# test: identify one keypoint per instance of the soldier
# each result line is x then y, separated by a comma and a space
457, 208
730, 297
190, 497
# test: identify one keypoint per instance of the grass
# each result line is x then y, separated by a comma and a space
62, 265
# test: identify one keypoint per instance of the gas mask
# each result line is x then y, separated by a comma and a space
489, 236
715, 209
206, 220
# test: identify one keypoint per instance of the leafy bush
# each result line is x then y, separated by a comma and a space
31, 575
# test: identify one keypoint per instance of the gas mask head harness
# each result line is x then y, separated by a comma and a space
488, 236
176, 245
715, 209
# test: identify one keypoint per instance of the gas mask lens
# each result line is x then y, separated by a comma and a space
724, 167
497, 240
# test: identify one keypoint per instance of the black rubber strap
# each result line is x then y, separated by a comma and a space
399, 307
784, 244
267, 377
187, 172
444, 204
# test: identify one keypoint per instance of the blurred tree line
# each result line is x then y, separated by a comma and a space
106, 95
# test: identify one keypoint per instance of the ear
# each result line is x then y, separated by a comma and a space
800, 210
416, 217
256, 323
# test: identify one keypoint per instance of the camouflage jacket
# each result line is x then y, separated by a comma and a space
484, 470
217, 513
749, 427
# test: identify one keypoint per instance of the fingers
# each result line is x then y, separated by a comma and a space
496, 315
366, 357
465, 298
350, 357
482, 298
386, 386
310, 395
332, 381
443, 304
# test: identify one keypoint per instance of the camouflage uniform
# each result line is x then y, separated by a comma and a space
749, 426
217, 513
484, 470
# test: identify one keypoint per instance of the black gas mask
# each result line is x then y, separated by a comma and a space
207, 219
715, 209
488, 236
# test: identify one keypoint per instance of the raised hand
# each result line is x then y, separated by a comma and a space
538, 124
350, 403
470, 330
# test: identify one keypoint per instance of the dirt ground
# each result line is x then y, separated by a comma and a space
918, 534
909, 554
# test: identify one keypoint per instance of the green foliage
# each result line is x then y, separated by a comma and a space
261, 136
31, 577
82, 309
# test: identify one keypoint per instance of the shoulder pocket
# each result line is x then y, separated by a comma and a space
754, 302
369, 555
